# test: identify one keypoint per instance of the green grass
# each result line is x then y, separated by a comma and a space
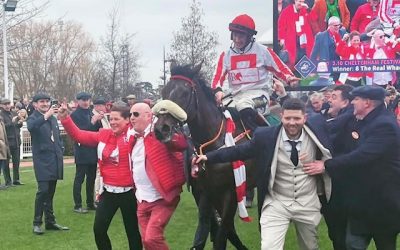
17, 214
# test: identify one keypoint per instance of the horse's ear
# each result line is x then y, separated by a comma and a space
173, 64
197, 68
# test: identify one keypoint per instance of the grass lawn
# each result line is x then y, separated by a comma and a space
17, 214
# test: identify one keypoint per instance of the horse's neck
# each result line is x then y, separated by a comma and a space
206, 125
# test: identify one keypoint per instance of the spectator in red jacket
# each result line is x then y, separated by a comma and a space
114, 148
158, 175
295, 33
352, 51
364, 15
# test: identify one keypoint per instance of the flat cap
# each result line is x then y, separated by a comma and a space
99, 100
40, 96
5, 101
369, 92
169, 107
83, 96
131, 97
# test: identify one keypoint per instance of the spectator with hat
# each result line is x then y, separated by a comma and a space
99, 108
85, 157
392, 99
14, 140
47, 152
131, 99
372, 162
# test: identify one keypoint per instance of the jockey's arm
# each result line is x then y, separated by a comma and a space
280, 69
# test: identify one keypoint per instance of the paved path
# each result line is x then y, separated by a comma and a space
30, 163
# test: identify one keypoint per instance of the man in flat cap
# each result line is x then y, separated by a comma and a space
13, 126
99, 108
372, 162
131, 99
85, 157
47, 151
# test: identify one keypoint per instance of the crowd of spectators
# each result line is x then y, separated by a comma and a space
333, 30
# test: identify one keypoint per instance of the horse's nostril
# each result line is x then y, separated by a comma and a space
165, 128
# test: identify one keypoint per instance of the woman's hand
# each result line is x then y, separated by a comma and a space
62, 112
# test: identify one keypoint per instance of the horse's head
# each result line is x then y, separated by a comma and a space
170, 120
166, 126
187, 88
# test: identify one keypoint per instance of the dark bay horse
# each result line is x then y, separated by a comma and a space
207, 127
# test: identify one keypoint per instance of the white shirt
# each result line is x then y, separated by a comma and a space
381, 78
145, 191
287, 145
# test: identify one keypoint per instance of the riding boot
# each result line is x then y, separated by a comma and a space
248, 116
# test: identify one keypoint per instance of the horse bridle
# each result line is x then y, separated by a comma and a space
193, 93
192, 84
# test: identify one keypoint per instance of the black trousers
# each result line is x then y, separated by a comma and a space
44, 203
335, 214
15, 152
6, 172
82, 170
383, 241
106, 209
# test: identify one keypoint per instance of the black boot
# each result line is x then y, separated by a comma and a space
248, 116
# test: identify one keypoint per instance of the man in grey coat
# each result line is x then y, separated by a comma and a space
47, 151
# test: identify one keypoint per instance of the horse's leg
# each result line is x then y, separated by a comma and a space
230, 223
227, 228
205, 218
219, 199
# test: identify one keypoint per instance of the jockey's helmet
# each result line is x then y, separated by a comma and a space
244, 24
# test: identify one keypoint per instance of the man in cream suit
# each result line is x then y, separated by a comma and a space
285, 192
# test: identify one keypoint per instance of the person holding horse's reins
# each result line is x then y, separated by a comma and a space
287, 191
248, 66
158, 176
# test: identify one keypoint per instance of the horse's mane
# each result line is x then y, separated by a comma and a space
196, 76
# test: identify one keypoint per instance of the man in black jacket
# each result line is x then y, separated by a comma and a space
13, 125
85, 157
373, 165
335, 212
285, 193
47, 152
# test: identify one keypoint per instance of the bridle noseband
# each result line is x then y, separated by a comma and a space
193, 93
192, 84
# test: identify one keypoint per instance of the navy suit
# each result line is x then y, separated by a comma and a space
261, 148
85, 159
373, 165
47, 151
324, 49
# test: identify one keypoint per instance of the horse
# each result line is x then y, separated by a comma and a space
206, 123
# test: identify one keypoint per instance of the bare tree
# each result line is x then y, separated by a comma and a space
119, 61
55, 57
193, 43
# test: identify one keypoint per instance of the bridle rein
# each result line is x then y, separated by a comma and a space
192, 84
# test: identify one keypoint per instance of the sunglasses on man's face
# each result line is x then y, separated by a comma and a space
135, 114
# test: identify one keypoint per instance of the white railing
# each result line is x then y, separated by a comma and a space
26, 142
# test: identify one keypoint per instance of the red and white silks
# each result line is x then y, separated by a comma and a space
239, 170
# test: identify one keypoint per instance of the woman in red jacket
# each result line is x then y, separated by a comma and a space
114, 149
353, 51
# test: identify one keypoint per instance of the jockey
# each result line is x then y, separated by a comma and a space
248, 66
389, 14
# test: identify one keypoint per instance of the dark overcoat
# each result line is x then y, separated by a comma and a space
82, 119
47, 147
374, 168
